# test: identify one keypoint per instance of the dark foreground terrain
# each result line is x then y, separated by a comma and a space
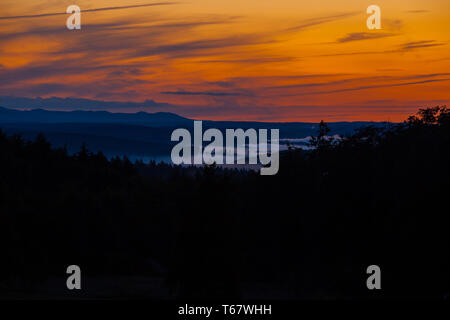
380, 196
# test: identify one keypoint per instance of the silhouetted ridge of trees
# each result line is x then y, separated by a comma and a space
379, 196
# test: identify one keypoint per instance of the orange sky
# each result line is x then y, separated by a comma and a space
284, 60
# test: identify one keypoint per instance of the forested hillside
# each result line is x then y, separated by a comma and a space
376, 197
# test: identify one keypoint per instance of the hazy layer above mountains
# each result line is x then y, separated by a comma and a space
73, 103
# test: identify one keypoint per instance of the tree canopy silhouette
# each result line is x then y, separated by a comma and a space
379, 196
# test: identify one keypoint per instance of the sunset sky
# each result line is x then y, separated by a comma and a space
283, 60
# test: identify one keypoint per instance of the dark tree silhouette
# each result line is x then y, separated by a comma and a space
379, 196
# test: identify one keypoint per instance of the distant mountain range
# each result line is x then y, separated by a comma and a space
81, 116
136, 135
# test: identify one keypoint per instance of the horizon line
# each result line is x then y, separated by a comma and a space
24, 109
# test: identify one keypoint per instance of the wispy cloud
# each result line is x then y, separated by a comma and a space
358, 36
404, 47
259, 60
321, 20
195, 47
353, 84
376, 86
420, 44
202, 93
89, 10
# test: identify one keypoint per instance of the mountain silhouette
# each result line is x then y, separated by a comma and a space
136, 135
45, 116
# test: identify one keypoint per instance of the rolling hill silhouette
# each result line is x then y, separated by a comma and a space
141, 134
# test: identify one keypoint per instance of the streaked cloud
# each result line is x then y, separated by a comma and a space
321, 20
404, 47
421, 44
390, 85
42, 15
204, 93
358, 36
